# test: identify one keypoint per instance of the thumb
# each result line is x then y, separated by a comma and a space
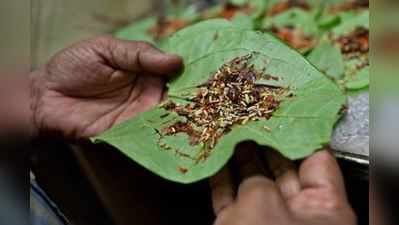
139, 57
322, 171
159, 63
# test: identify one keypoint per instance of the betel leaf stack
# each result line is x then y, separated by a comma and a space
237, 85
332, 34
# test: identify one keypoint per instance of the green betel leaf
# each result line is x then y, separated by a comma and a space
246, 13
328, 59
238, 2
179, 9
295, 26
151, 30
335, 12
301, 123
344, 52
244, 21
295, 17
360, 80
258, 7
138, 31
351, 22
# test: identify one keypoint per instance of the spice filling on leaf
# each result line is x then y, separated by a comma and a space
356, 46
231, 97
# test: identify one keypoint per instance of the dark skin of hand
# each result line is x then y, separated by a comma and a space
314, 194
93, 85
87, 88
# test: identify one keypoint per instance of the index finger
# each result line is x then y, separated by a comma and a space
222, 188
322, 171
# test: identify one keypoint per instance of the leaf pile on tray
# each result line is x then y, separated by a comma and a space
237, 85
343, 52
310, 26
294, 22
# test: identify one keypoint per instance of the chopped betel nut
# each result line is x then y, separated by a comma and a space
356, 45
294, 37
356, 42
231, 10
231, 97
166, 27
283, 6
349, 6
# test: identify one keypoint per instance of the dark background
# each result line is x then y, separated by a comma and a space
137, 196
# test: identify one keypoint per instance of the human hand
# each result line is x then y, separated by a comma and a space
95, 84
314, 195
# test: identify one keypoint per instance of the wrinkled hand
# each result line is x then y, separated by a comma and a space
313, 196
95, 84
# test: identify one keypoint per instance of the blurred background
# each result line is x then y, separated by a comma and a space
385, 111
100, 180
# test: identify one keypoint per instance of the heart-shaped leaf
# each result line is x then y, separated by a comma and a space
301, 124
